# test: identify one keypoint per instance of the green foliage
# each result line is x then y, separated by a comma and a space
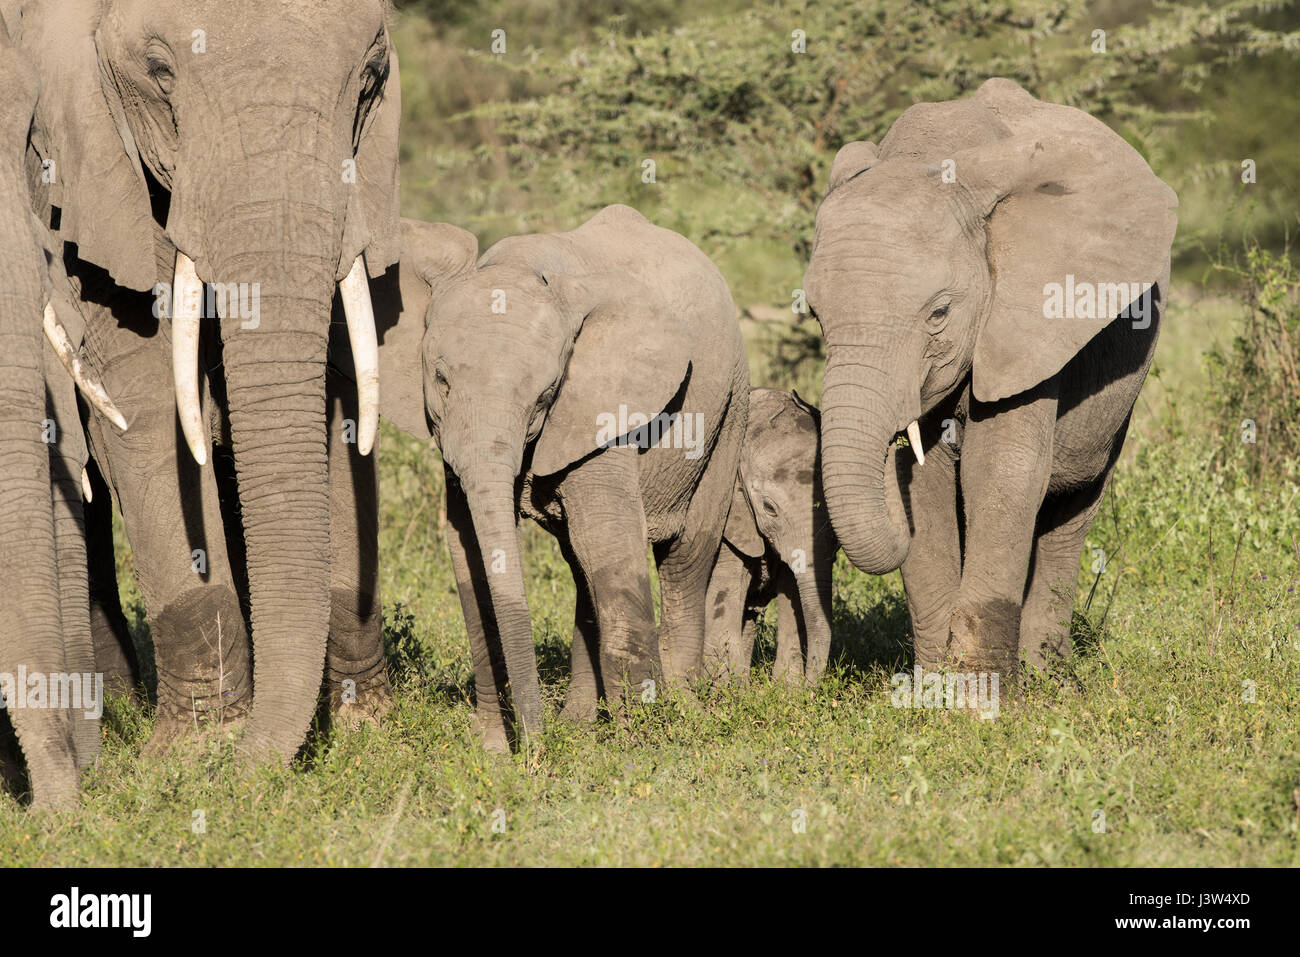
1256, 380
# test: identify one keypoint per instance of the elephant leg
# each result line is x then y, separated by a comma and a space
172, 514
932, 570
686, 563
355, 673
1049, 597
67, 456
584, 673
491, 688
115, 653
788, 666
725, 654
603, 515
1005, 467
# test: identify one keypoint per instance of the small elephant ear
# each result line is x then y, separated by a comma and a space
1069, 205
852, 159
91, 157
433, 256
627, 354
374, 211
741, 529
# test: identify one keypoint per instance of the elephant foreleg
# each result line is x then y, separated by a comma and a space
114, 650
932, 570
725, 654
1005, 467
788, 666
172, 514
1049, 597
601, 499
355, 674
584, 673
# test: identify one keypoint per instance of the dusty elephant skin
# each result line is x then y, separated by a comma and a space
533, 369
778, 543
253, 147
936, 274
44, 605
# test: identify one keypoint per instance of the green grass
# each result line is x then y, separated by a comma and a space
1150, 728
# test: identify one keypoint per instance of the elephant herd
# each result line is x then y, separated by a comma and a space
989, 282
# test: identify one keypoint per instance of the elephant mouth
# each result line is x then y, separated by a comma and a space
188, 309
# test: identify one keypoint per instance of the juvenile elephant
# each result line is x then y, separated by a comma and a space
992, 280
233, 161
593, 380
778, 543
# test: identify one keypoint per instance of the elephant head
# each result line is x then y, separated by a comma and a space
251, 146
525, 356
931, 264
778, 509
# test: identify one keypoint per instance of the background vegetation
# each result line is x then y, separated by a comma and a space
1174, 739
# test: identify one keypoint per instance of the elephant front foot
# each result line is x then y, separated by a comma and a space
491, 732
579, 705
985, 639
205, 678
355, 700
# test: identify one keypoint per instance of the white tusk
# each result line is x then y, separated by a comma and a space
360, 312
187, 304
914, 440
90, 387
85, 486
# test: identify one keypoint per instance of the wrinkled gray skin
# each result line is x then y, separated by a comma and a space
617, 312
44, 611
778, 543
931, 299
239, 156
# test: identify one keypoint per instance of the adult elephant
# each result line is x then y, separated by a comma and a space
938, 269
44, 607
251, 146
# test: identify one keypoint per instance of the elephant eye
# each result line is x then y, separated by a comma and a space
161, 74
938, 316
443, 386
769, 507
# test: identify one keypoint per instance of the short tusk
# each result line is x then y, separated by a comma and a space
90, 386
914, 440
187, 305
85, 486
360, 312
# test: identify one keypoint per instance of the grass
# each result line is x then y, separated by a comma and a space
1154, 727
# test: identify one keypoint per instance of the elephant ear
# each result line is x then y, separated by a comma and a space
92, 161
741, 529
852, 159
374, 210
1066, 207
433, 256
628, 353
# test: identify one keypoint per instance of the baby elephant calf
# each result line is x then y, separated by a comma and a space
777, 543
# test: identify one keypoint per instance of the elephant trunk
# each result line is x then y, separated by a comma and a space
863, 410
489, 481
274, 358
815, 591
